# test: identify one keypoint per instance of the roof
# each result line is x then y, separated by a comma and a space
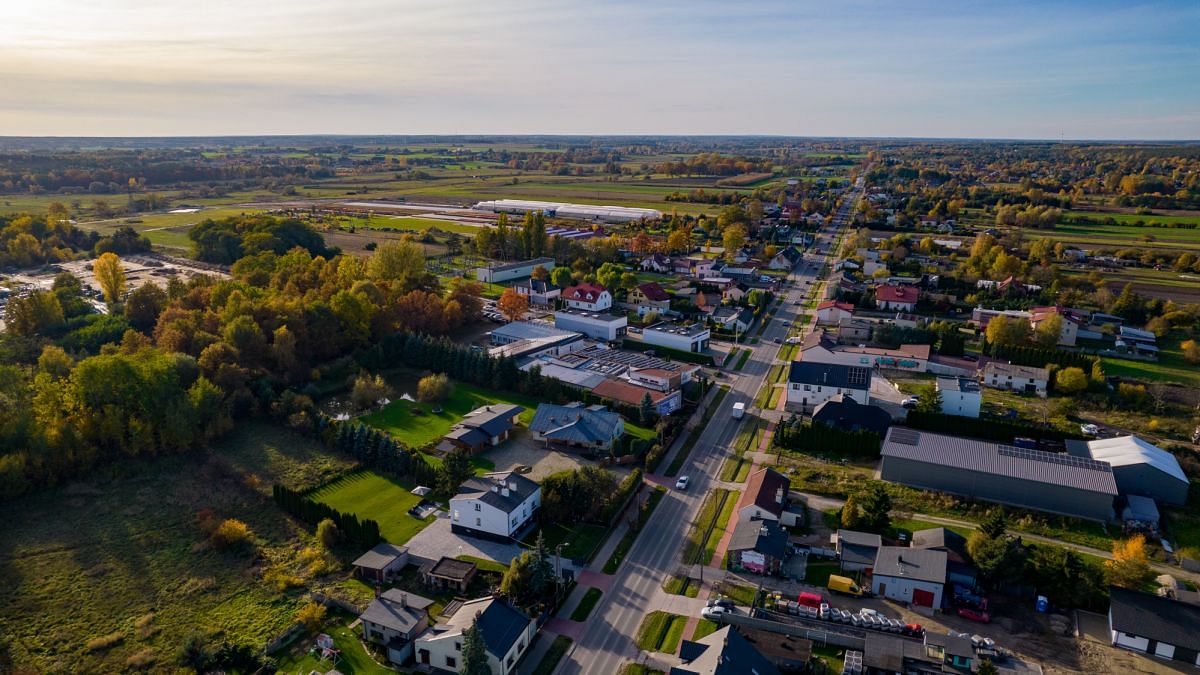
526, 330
764, 536
687, 330
817, 338
583, 292
830, 375
543, 286
624, 392
859, 538
762, 490
575, 424
1130, 450
960, 384
847, 414
500, 623
844, 306
911, 563
1015, 370
724, 652
858, 547
896, 293
493, 419
501, 267
490, 489
954, 645
947, 540
1149, 616
521, 348
451, 568
1000, 460
379, 557
654, 292
397, 610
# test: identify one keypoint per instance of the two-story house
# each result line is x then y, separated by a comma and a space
495, 506
650, 297
394, 619
507, 632
588, 297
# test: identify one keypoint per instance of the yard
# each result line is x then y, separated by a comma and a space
384, 500
661, 632
580, 539
424, 428
817, 572
300, 659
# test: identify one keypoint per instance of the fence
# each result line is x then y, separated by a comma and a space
821, 636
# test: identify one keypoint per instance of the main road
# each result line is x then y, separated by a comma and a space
608, 638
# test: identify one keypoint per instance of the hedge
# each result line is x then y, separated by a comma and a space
796, 435
365, 532
1038, 357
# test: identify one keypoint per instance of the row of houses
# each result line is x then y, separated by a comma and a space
1076, 325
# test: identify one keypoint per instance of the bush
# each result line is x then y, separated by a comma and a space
231, 532
327, 533
369, 390
142, 660
434, 388
105, 641
311, 616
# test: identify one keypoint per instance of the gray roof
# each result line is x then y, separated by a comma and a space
481, 487
1006, 369
381, 556
452, 568
954, 645
494, 419
501, 623
467, 435
725, 652
847, 414
1000, 460
962, 384
764, 536
527, 330
575, 424
858, 547
944, 539
859, 538
1149, 616
397, 610
500, 267
911, 563
830, 375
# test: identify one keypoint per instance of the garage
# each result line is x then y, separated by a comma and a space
922, 597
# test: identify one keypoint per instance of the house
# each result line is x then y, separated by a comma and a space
818, 348
811, 384
659, 379
621, 391
497, 273
1028, 379
857, 550
1138, 342
1068, 334
765, 498
960, 396
958, 569
650, 297
592, 427
482, 428
843, 412
833, 311
656, 262
723, 652
887, 653
394, 619
1046, 481
381, 563
692, 337
916, 576
955, 651
854, 331
507, 632
846, 264
733, 319
588, 297
785, 259
1153, 625
539, 291
695, 266
758, 546
897, 297
1139, 467
449, 574
495, 506
596, 325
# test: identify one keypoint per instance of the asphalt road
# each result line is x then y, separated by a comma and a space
608, 640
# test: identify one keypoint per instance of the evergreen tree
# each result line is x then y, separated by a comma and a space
474, 653
646, 410
541, 574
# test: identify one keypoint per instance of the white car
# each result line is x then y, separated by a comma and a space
910, 402
682, 483
1089, 429
713, 612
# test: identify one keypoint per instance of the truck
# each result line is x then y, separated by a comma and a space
810, 600
845, 586
739, 410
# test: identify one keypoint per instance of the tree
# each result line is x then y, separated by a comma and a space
561, 276
1130, 566
540, 273
111, 277
327, 533
1191, 351
609, 275
194, 653
986, 667
679, 241
37, 313
851, 518
733, 239
437, 387
1007, 331
474, 653
143, 306
1000, 560
929, 399
1048, 330
400, 262
875, 505
541, 573
1070, 381
995, 525
646, 409
230, 533
455, 469
311, 615
369, 390
512, 304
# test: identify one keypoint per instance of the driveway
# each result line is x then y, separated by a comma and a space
885, 395
437, 541
524, 451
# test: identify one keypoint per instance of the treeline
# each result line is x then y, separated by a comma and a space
230, 239
702, 196
715, 164
365, 532
984, 429
1040, 357
26, 241
794, 434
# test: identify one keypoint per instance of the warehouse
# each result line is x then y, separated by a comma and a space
1063, 484
1140, 468
496, 273
601, 214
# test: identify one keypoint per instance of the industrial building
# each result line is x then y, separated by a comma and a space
497, 273
600, 214
690, 338
1140, 468
596, 325
1058, 483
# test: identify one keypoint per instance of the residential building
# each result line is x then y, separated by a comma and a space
960, 396
497, 273
1028, 379
484, 427
855, 331
539, 291
449, 574
958, 568
857, 550
591, 427
733, 319
695, 266
833, 311
495, 506
1138, 342
785, 259
596, 325
588, 297
1139, 467
1045, 481
955, 651
1068, 334
394, 619
819, 348
621, 391
811, 384
724, 652
507, 632
656, 262
650, 297
381, 563
916, 576
692, 337
758, 546
766, 498
897, 297
887, 653
733, 293
843, 412
1159, 627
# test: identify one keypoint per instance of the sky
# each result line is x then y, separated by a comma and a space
996, 69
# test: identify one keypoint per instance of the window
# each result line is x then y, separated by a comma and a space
477, 507
451, 662
808, 387
477, 522
458, 646
510, 661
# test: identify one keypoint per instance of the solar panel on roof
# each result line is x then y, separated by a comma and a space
905, 436
1054, 458
858, 376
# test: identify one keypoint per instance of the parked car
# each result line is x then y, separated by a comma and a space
682, 483
914, 629
1089, 429
974, 615
810, 599
713, 612
910, 402
824, 611
721, 601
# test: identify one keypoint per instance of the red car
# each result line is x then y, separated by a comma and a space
974, 615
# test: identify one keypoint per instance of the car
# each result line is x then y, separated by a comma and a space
824, 610
910, 402
778, 341
682, 483
1089, 429
974, 615
913, 629
800, 302
721, 602
856, 620
713, 612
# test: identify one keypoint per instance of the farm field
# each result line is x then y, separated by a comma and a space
372, 496
1166, 284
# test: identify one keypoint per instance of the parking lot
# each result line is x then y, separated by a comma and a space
523, 451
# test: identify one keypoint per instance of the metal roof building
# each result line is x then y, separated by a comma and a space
1140, 468
1045, 481
606, 214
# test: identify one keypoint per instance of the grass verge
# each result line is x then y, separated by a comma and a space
586, 604
661, 632
553, 655
677, 585
626, 543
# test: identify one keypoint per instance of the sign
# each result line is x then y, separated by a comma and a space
754, 561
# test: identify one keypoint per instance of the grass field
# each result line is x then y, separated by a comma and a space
704, 629
354, 659
660, 632
369, 495
1170, 367
418, 431
677, 585
120, 552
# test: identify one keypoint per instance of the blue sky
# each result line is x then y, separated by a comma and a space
945, 69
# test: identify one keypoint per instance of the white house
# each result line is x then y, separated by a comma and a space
960, 396
1068, 334
588, 297
1028, 379
656, 262
539, 291
832, 312
685, 338
910, 575
766, 498
811, 384
495, 506
507, 633
897, 297
596, 325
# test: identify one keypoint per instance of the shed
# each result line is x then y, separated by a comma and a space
381, 563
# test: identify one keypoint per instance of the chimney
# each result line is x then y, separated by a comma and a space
504, 492
495, 488
512, 485
779, 495
404, 599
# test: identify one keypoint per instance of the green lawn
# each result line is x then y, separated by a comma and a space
677, 585
742, 595
704, 629
586, 604
553, 655
384, 500
710, 547
581, 538
661, 632
1170, 366
296, 660
423, 429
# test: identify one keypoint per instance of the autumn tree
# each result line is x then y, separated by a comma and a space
327, 533
512, 304
561, 276
436, 387
36, 313
1007, 331
733, 239
1130, 566
1070, 381
540, 273
400, 262
1047, 332
111, 276
1191, 351
369, 390
679, 241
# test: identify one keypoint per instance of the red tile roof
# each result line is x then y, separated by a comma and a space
585, 292
624, 392
762, 489
895, 293
834, 303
